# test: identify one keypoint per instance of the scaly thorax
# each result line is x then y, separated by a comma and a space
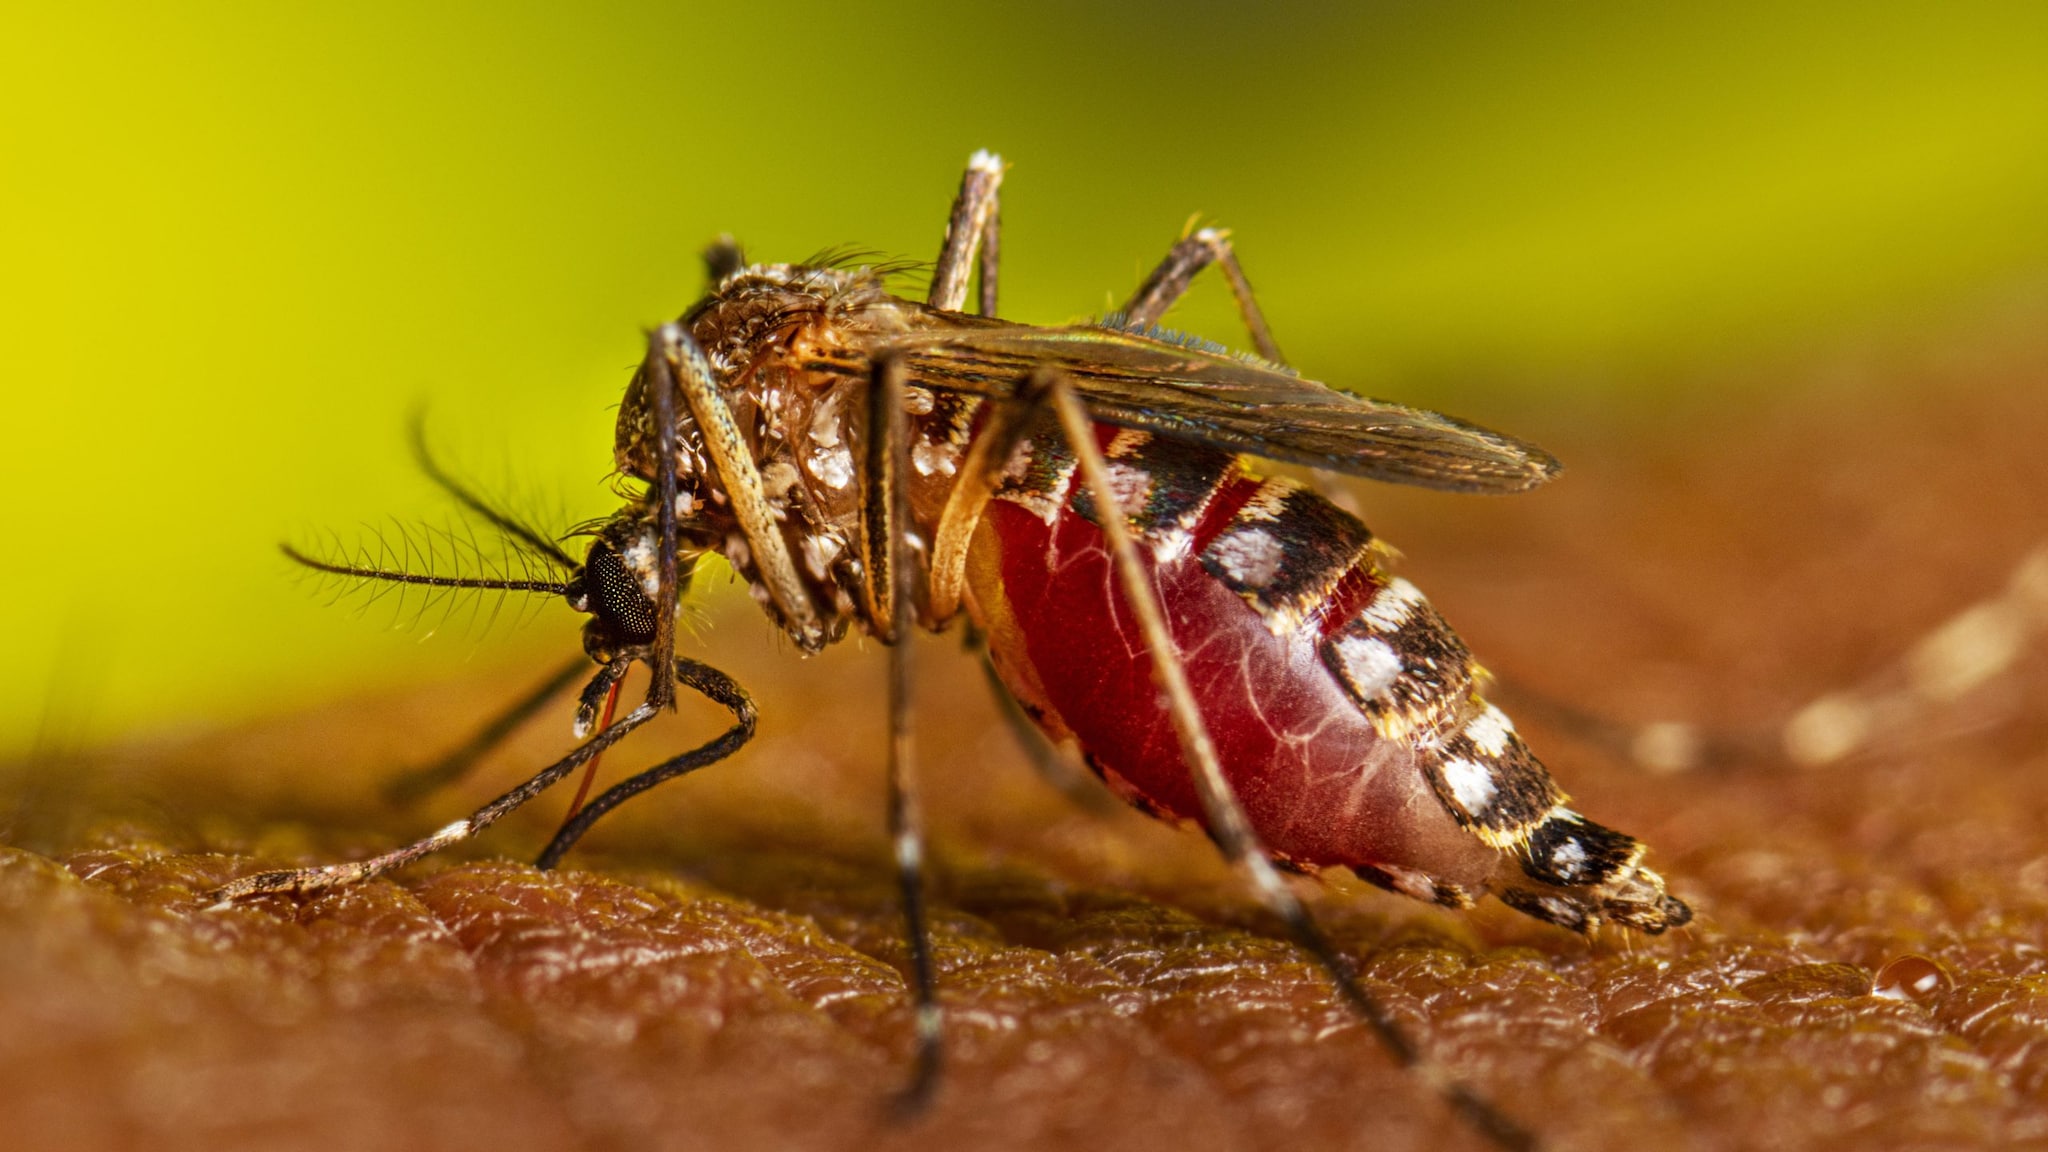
763, 331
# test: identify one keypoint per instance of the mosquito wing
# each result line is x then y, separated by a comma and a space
1242, 405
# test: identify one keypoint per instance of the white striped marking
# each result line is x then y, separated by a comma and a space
451, 833
1471, 784
1489, 731
1250, 556
1568, 859
1408, 882
1392, 607
1371, 665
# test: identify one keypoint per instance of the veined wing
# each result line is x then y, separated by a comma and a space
1215, 398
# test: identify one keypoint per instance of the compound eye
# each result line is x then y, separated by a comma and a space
616, 597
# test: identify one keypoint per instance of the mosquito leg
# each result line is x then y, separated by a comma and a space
713, 685
991, 260
674, 362
1169, 281
1969, 650
305, 880
1659, 746
1226, 818
885, 524
722, 258
1052, 764
972, 225
671, 355
1907, 698
419, 782
1002, 430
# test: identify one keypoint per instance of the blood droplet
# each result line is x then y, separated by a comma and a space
1912, 977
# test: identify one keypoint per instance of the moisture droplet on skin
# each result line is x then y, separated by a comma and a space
1911, 977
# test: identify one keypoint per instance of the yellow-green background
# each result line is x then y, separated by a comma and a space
239, 241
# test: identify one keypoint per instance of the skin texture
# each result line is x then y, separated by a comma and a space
720, 967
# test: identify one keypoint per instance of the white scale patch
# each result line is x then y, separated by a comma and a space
1371, 665
451, 833
1568, 860
777, 479
1133, 487
1268, 502
1409, 882
1489, 731
909, 856
1019, 464
641, 555
1250, 557
738, 552
1044, 505
832, 467
929, 456
829, 461
1392, 607
825, 422
1171, 543
819, 550
1471, 784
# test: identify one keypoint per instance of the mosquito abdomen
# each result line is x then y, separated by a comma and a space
1343, 708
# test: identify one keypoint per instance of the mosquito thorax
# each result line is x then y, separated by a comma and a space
787, 346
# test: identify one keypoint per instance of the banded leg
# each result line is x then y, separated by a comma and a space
884, 525
1960, 656
974, 225
676, 365
1169, 282
1904, 699
706, 681
305, 880
722, 257
1226, 818
413, 785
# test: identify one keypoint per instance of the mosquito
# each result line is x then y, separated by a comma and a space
1220, 646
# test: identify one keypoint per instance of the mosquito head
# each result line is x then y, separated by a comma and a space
616, 586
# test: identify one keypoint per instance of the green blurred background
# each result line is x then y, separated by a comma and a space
243, 240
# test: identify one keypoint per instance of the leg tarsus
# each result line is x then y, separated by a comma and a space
1170, 280
887, 463
675, 366
706, 681
305, 880
926, 1064
972, 225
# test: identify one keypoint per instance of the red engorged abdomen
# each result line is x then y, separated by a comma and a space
1321, 786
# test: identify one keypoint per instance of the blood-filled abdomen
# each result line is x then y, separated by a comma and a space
1259, 579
